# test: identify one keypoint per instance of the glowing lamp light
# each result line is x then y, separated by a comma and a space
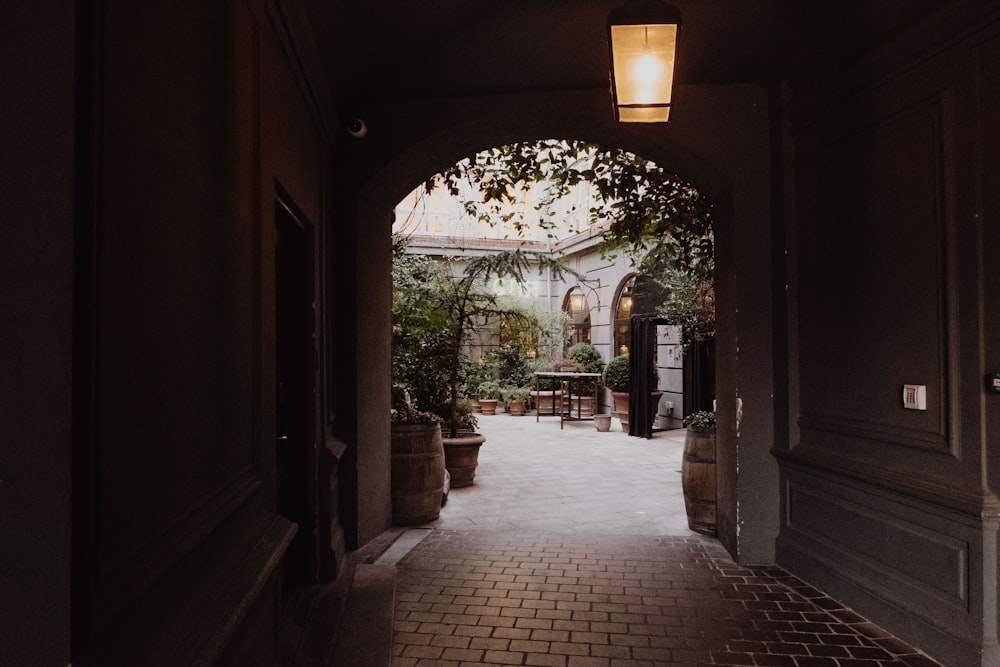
577, 302
642, 35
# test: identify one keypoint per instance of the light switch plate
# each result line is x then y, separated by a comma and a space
915, 396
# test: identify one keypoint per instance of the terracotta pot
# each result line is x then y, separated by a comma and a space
546, 401
621, 407
488, 405
585, 404
516, 408
461, 458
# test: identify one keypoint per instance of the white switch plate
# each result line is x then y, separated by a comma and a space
915, 397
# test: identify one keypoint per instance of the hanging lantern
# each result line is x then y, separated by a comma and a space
642, 35
577, 302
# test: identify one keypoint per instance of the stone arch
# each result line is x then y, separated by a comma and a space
717, 141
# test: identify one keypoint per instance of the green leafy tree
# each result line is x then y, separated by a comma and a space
554, 329
421, 333
660, 222
648, 211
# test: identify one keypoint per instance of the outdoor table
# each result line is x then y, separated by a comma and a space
567, 382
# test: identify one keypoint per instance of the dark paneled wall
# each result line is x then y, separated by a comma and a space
204, 116
889, 508
36, 316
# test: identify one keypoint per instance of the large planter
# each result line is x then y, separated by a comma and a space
698, 480
488, 406
583, 404
515, 408
546, 401
461, 457
418, 473
621, 407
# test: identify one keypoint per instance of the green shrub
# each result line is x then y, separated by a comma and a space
514, 394
702, 420
590, 361
511, 365
490, 389
588, 357
477, 372
616, 373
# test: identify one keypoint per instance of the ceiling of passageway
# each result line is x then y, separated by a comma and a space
384, 50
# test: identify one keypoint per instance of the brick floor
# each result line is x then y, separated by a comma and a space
572, 550
500, 598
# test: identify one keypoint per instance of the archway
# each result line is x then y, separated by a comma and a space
728, 132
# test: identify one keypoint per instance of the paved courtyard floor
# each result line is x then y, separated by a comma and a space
534, 476
572, 550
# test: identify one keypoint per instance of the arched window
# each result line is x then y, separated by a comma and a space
578, 308
623, 312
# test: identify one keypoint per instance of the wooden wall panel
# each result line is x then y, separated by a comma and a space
176, 311
180, 551
889, 509
873, 239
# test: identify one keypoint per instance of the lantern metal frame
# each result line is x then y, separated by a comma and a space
665, 20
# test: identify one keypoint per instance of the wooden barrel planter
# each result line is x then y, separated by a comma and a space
418, 472
462, 458
698, 480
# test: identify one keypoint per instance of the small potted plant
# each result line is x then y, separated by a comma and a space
515, 398
489, 393
698, 471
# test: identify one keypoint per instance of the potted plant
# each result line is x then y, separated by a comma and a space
616, 378
515, 398
419, 481
457, 302
488, 393
698, 472
475, 373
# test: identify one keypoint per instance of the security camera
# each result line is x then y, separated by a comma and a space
357, 128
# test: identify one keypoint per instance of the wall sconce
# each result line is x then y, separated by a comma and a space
642, 35
577, 302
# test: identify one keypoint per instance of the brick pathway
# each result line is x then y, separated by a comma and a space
572, 551
472, 598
